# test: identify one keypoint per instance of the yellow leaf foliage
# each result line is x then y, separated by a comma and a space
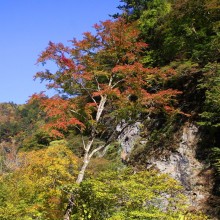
33, 191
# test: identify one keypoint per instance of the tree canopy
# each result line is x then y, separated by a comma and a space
102, 77
155, 64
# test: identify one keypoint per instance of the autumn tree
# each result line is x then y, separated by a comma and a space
33, 190
101, 82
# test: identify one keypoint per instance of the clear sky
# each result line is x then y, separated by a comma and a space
26, 28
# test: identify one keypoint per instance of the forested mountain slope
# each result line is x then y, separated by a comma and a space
133, 132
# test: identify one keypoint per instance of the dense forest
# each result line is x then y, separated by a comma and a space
152, 69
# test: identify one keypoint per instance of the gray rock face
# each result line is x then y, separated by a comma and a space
128, 138
181, 163
183, 166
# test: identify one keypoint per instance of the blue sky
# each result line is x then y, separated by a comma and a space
26, 28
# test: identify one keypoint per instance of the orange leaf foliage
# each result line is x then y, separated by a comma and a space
105, 64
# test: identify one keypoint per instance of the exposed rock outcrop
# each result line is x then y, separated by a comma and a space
183, 166
128, 138
179, 162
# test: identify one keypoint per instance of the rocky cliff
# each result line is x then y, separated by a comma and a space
180, 161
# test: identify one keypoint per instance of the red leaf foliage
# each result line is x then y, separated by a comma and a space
106, 67
60, 111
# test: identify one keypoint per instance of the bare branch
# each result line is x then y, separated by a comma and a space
122, 80
78, 114
90, 95
101, 107
83, 141
97, 82
110, 81
96, 150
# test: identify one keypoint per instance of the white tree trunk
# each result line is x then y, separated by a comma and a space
83, 169
101, 107
87, 156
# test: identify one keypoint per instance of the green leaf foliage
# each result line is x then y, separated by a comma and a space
178, 30
126, 195
211, 84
